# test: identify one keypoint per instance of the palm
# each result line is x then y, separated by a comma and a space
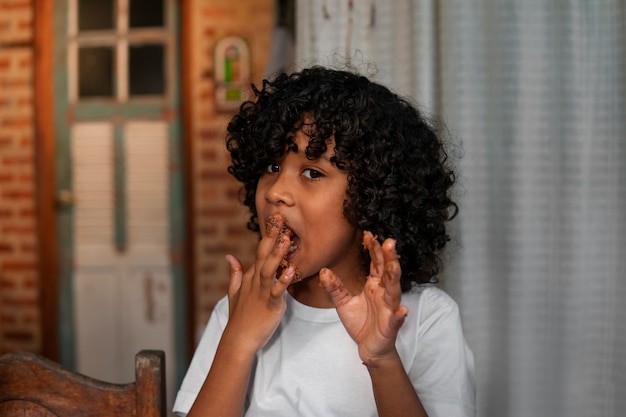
373, 317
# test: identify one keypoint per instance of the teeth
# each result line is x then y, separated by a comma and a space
292, 248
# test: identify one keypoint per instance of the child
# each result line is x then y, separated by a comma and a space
349, 191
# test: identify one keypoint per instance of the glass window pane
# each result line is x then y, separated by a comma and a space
146, 70
95, 71
146, 13
96, 14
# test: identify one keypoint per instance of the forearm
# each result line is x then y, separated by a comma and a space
393, 390
224, 389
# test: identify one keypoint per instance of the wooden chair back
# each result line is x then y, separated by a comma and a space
31, 385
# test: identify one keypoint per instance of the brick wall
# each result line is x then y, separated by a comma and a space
219, 217
19, 285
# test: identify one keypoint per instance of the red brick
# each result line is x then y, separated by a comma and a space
17, 195
26, 177
209, 155
223, 213
24, 102
206, 94
30, 318
7, 319
27, 212
232, 194
6, 177
7, 283
18, 230
215, 287
15, 5
12, 266
25, 24
208, 269
212, 133
26, 141
208, 231
19, 335
19, 301
238, 232
30, 282
28, 248
6, 247
17, 160
16, 83
26, 62
17, 121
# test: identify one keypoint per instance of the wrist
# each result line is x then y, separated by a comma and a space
239, 343
389, 360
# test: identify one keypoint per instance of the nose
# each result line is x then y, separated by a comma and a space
280, 190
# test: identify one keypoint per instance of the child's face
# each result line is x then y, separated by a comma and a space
310, 195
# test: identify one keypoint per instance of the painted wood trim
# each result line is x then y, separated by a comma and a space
45, 176
63, 114
120, 205
187, 112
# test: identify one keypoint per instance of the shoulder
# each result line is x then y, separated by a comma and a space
435, 353
428, 298
431, 308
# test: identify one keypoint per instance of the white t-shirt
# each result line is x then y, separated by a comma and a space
311, 366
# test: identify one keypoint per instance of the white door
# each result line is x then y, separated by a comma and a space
119, 171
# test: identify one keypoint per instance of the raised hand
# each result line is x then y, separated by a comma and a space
373, 317
256, 297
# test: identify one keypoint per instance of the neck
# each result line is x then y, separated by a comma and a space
309, 291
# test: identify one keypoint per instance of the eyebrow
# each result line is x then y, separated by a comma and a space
323, 156
293, 147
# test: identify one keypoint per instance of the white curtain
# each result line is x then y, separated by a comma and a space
535, 90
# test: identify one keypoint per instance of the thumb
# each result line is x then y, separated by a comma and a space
334, 287
236, 275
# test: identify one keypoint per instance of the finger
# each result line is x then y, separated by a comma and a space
270, 265
334, 287
391, 274
398, 317
273, 229
236, 275
274, 225
377, 260
265, 247
283, 281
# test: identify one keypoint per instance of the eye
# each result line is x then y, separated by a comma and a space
272, 168
312, 174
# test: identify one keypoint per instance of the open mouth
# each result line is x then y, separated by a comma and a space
293, 247
278, 221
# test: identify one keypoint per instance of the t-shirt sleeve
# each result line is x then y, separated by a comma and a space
442, 371
202, 359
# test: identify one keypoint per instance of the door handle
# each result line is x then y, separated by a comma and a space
65, 198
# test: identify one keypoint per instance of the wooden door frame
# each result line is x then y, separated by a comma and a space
187, 129
45, 189
187, 111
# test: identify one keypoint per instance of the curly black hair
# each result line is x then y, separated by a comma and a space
399, 182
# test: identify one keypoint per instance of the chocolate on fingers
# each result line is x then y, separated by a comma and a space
277, 223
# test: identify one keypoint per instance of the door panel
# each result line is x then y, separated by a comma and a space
122, 286
118, 170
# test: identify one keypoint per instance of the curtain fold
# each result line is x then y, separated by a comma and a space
535, 90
